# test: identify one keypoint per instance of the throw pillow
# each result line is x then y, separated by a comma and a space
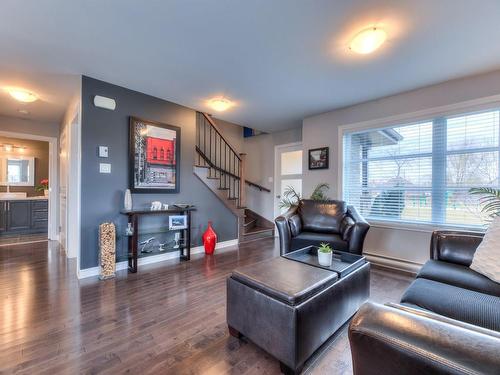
486, 259
346, 227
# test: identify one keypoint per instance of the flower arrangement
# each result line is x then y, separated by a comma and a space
44, 185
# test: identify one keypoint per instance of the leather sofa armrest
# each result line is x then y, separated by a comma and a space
400, 341
455, 246
359, 231
284, 231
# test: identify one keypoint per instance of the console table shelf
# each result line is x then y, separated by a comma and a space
133, 219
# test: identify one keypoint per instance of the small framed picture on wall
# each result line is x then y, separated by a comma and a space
318, 158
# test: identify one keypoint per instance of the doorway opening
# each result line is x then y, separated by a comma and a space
27, 209
288, 172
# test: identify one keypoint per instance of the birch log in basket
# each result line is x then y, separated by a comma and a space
107, 245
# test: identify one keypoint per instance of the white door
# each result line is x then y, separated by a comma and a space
287, 173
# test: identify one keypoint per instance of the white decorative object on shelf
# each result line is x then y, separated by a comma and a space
127, 201
177, 238
129, 231
156, 206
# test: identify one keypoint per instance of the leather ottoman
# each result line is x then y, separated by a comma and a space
290, 309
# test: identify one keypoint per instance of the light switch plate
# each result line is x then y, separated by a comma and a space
104, 168
103, 151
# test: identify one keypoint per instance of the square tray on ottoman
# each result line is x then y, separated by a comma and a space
290, 308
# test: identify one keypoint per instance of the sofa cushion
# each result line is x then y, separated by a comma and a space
322, 216
295, 224
457, 303
455, 247
486, 259
285, 280
312, 238
458, 275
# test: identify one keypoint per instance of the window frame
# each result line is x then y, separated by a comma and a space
431, 114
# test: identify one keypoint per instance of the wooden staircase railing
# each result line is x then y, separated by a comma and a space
225, 163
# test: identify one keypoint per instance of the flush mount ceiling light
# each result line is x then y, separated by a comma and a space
23, 95
220, 104
368, 40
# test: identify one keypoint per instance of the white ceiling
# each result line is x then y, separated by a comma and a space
281, 60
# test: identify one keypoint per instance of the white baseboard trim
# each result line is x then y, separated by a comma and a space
394, 263
94, 271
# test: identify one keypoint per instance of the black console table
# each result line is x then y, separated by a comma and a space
133, 218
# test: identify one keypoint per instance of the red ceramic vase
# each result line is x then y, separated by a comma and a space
209, 239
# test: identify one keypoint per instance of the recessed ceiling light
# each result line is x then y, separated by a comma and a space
368, 40
23, 111
23, 95
220, 104
7, 148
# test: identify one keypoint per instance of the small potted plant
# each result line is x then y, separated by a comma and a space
325, 254
44, 186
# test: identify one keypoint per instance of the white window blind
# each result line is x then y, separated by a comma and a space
422, 172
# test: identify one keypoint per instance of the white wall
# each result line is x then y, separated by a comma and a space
71, 125
260, 168
26, 126
322, 130
259, 152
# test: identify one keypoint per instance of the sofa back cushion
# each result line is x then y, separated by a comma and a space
322, 216
455, 247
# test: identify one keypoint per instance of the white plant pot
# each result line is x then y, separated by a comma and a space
325, 259
46, 192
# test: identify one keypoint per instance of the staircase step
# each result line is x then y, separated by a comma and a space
222, 188
257, 229
242, 207
212, 178
257, 233
201, 166
249, 222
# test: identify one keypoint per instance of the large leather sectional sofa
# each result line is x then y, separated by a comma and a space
448, 320
312, 222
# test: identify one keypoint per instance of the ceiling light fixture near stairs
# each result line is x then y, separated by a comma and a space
220, 104
23, 95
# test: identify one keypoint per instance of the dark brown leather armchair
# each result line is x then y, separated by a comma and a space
312, 222
448, 320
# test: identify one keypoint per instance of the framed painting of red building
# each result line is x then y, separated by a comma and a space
154, 157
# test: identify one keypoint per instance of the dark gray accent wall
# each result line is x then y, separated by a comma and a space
102, 194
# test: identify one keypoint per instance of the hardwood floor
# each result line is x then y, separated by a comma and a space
14, 239
169, 318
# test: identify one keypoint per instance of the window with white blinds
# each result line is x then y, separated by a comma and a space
422, 172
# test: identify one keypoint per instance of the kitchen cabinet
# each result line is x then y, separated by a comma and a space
23, 216
3, 216
18, 215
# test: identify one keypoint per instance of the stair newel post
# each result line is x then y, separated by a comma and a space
242, 184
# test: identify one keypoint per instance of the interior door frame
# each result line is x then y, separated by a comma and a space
277, 150
53, 228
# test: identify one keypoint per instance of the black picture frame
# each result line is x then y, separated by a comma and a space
154, 174
319, 158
